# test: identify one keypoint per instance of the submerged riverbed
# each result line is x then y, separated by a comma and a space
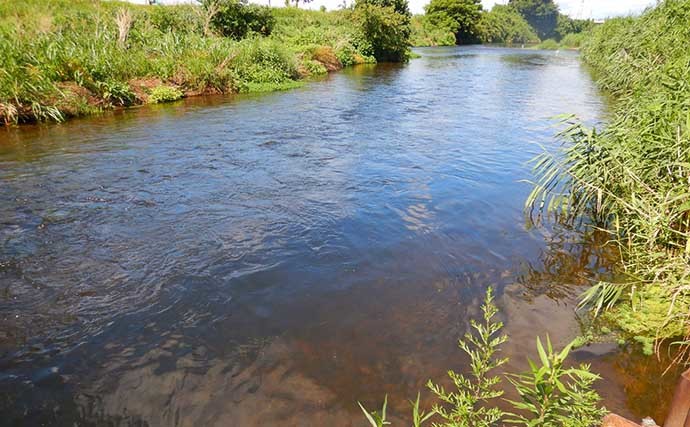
272, 259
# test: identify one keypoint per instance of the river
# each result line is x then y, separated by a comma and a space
272, 259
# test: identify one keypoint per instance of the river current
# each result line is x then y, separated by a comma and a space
273, 259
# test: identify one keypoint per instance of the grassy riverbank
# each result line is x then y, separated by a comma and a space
65, 58
632, 179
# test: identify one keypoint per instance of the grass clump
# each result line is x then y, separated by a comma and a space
551, 394
160, 94
549, 44
632, 179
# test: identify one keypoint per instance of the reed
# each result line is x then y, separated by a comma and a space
632, 179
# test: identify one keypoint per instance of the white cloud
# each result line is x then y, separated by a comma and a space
576, 8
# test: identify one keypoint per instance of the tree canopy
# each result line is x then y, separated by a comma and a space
385, 24
460, 16
542, 15
503, 24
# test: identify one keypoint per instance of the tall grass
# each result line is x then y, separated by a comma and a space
70, 57
632, 179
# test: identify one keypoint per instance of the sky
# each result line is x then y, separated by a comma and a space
594, 9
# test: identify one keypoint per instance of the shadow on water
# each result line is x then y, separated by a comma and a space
272, 259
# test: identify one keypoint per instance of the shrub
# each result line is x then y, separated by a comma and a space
263, 61
160, 94
386, 31
236, 19
574, 40
427, 33
549, 44
178, 18
314, 68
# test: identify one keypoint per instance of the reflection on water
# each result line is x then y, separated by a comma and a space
269, 260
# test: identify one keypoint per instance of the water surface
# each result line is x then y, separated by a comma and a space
272, 259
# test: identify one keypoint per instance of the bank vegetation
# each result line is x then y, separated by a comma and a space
632, 178
63, 58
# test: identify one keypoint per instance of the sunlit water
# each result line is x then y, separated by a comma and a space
272, 259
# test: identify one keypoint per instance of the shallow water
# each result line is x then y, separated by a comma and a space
272, 259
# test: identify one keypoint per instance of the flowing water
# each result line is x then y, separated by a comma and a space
272, 259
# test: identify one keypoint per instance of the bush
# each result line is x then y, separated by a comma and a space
176, 18
427, 33
574, 40
549, 44
386, 31
236, 19
160, 94
263, 61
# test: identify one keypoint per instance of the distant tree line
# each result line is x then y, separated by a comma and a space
520, 21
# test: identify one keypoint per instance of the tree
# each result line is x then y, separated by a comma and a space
566, 25
461, 16
385, 25
505, 25
542, 15
399, 6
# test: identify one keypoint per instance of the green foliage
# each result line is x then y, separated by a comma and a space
631, 179
115, 92
62, 57
551, 394
385, 30
468, 405
399, 6
542, 15
461, 16
305, 29
376, 419
178, 18
160, 94
566, 26
574, 40
549, 44
237, 19
503, 24
427, 33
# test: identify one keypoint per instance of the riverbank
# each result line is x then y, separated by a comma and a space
70, 58
631, 178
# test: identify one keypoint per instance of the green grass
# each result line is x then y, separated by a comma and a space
632, 179
63, 58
